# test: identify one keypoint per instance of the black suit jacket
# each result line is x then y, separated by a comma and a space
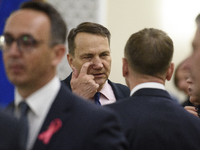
10, 132
120, 91
85, 126
153, 121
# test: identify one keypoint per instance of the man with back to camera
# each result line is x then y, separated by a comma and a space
54, 118
150, 117
90, 59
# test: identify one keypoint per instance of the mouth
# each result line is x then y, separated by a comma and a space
190, 91
98, 75
15, 68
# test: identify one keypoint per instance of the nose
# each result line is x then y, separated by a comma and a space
189, 80
97, 63
13, 49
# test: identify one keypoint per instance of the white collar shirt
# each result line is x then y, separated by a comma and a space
39, 103
153, 85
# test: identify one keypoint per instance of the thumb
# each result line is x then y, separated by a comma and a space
74, 73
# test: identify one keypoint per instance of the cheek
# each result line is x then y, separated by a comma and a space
107, 64
195, 61
78, 64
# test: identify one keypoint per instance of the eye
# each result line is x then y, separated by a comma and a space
105, 54
87, 56
8, 40
27, 41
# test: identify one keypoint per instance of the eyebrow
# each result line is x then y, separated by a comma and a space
24, 34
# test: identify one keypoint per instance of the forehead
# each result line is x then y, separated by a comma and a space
27, 21
91, 42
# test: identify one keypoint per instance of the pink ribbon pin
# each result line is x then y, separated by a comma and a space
54, 126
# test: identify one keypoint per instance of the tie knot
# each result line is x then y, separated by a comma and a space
96, 98
23, 108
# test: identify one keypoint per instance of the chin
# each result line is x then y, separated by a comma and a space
100, 82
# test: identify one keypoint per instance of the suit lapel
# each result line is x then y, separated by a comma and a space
67, 81
57, 111
118, 94
10, 108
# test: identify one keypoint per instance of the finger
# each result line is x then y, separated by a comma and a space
192, 112
190, 108
74, 73
84, 68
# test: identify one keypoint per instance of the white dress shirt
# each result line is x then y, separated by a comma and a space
153, 85
39, 103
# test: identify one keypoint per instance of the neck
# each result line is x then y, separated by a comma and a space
26, 90
136, 80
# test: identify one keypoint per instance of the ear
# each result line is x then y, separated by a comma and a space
170, 71
125, 70
70, 59
59, 52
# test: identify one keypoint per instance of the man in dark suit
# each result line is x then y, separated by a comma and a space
90, 59
150, 117
34, 44
10, 132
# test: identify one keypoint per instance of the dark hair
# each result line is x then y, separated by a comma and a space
58, 25
149, 51
87, 27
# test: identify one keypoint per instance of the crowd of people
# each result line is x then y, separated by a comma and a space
87, 111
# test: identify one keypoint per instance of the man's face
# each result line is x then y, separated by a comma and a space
193, 64
28, 68
193, 99
92, 48
182, 75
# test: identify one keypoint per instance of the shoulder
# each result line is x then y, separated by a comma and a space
95, 124
119, 85
120, 90
67, 80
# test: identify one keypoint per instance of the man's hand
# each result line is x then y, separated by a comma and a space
83, 84
191, 109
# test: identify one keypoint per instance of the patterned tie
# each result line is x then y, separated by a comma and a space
96, 98
24, 120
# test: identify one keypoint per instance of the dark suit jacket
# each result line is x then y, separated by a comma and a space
85, 126
120, 91
9, 132
153, 121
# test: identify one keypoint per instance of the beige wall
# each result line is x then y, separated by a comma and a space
125, 17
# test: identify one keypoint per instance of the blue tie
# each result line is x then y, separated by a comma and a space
24, 120
96, 98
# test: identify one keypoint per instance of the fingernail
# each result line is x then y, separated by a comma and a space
196, 108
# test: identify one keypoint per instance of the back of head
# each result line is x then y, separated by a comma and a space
58, 25
87, 27
149, 52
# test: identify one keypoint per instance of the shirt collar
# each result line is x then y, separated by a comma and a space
153, 85
105, 91
41, 98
